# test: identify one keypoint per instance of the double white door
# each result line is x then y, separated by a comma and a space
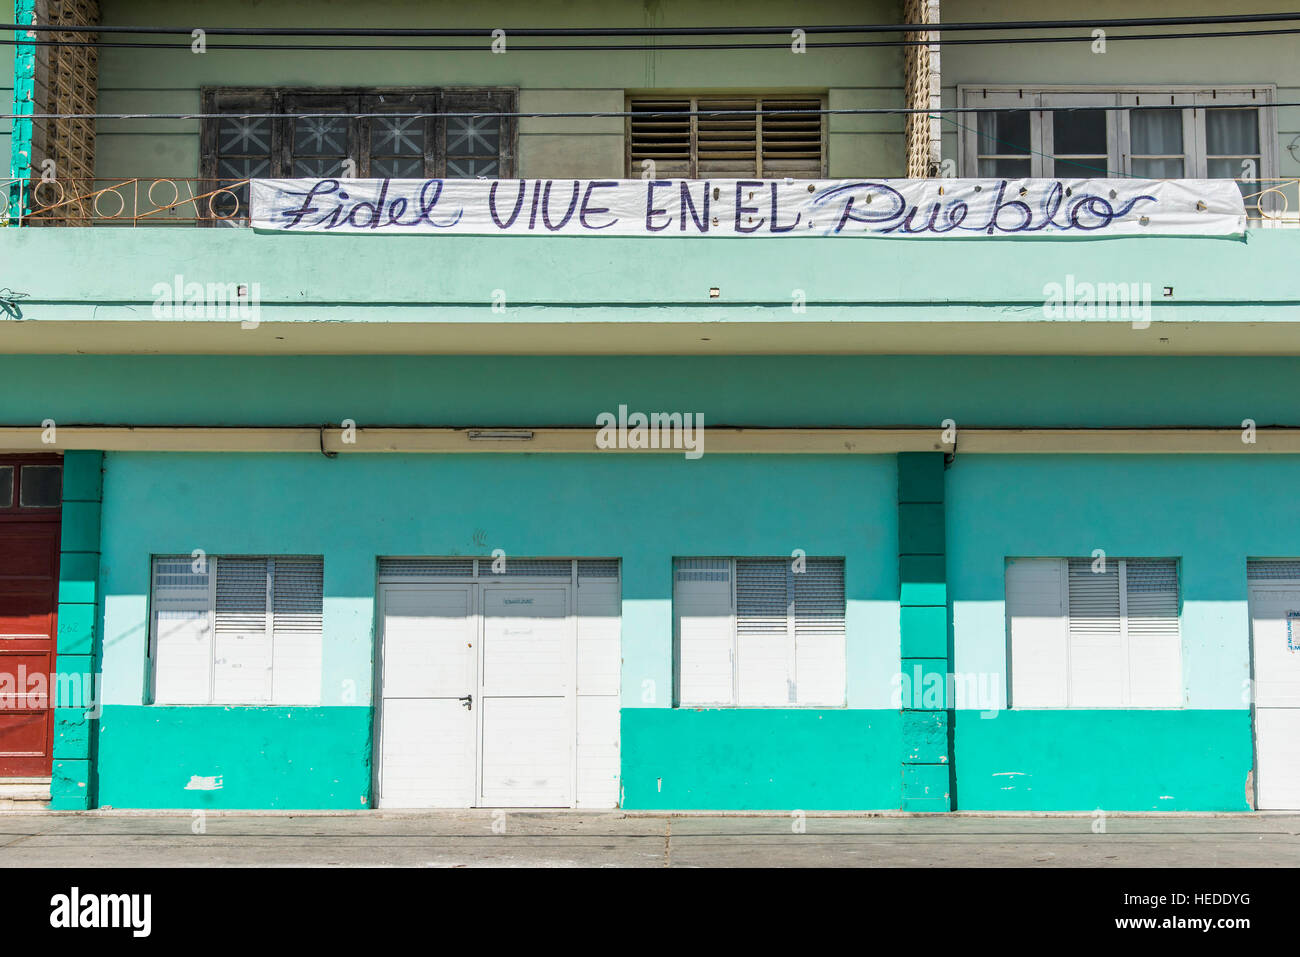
478, 705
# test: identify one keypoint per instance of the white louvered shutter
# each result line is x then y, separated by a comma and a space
182, 632
1036, 597
819, 632
1098, 667
297, 601
1154, 644
764, 644
702, 599
242, 655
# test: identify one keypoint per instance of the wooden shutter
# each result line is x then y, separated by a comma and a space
1036, 618
764, 644
297, 600
770, 137
242, 654
791, 142
182, 632
1154, 644
726, 145
702, 602
1098, 665
666, 140
819, 632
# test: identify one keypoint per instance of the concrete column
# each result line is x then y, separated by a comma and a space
923, 620
76, 691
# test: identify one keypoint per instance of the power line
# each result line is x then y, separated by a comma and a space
934, 112
667, 31
640, 48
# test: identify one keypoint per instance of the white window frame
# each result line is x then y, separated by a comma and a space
277, 696
1015, 699
1193, 97
792, 650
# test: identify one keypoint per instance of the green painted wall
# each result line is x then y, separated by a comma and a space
300, 758
366, 279
134, 80
790, 391
1081, 760
760, 759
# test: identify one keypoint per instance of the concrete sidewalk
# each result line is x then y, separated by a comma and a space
617, 839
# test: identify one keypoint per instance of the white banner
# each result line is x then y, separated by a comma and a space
772, 208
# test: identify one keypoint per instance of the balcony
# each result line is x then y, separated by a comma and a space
174, 201
126, 291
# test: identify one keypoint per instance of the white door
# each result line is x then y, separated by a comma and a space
527, 706
1275, 643
427, 724
478, 701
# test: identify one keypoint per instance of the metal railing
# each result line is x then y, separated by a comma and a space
161, 201
175, 201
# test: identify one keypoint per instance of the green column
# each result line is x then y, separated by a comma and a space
923, 621
77, 689
24, 105
20, 143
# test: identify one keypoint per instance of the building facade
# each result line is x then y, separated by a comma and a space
362, 520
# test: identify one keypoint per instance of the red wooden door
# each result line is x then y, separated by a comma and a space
29, 596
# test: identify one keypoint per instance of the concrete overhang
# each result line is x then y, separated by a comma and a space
121, 291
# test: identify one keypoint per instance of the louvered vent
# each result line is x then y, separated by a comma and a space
530, 568
703, 570
792, 138
1152, 596
728, 137
297, 597
591, 568
241, 596
726, 143
664, 139
175, 580
1273, 570
1094, 598
761, 596
400, 569
819, 598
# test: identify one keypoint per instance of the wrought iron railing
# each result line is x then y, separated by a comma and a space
161, 201
168, 201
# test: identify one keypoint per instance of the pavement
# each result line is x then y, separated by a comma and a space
486, 838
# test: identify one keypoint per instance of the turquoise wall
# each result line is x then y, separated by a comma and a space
355, 508
761, 759
1209, 512
795, 391
298, 758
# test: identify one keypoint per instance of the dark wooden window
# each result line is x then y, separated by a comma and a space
241, 145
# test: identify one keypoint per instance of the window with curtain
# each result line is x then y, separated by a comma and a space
1082, 134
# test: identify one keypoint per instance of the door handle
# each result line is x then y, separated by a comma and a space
468, 701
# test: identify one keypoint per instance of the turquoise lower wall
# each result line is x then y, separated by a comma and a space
761, 759
303, 758
1114, 760
1210, 512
